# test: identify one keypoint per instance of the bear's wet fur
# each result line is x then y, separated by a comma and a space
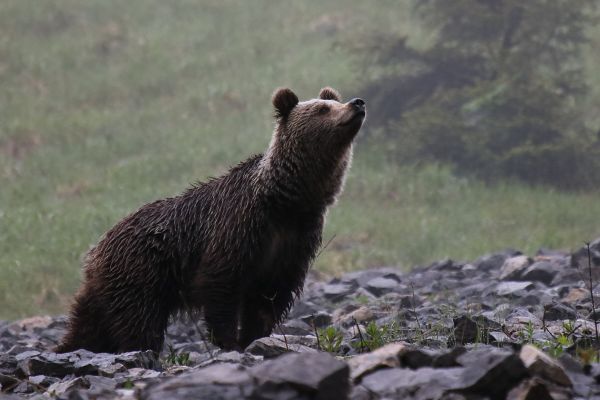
236, 248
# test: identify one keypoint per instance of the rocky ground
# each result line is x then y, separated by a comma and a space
506, 325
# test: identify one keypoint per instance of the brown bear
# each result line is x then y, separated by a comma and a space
236, 248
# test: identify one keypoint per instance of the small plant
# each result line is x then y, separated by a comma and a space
559, 344
526, 335
377, 336
175, 358
330, 339
128, 384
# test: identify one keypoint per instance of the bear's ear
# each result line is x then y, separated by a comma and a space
284, 100
328, 93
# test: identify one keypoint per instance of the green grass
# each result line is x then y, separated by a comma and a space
106, 105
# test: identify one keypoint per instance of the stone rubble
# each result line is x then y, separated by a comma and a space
505, 326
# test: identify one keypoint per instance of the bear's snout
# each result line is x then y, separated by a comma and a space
358, 103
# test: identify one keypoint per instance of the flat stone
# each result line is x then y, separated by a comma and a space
567, 276
59, 388
302, 309
8, 382
8, 364
499, 337
47, 364
541, 271
494, 261
424, 383
310, 375
319, 319
558, 312
219, 381
295, 327
337, 291
473, 329
387, 356
362, 314
33, 323
540, 364
512, 287
490, 371
530, 389
380, 285
576, 295
271, 347
27, 354
513, 267
42, 380
140, 359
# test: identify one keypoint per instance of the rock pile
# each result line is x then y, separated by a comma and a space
505, 326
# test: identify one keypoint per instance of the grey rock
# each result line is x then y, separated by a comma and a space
27, 354
61, 387
449, 359
360, 278
575, 296
512, 288
42, 381
418, 358
579, 259
387, 356
529, 300
494, 261
101, 383
474, 289
541, 271
8, 364
546, 252
82, 362
540, 364
56, 365
473, 329
303, 308
490, 371
295, 327
513, 268
569, 363
400, 383
499, 337
139, 359
8, 381
530, 389
313, 375
381, 285
337, 291
319, 319
271, 347
219, 381
567, 275
24, 387
558, 311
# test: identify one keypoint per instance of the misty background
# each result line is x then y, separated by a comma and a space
482, 132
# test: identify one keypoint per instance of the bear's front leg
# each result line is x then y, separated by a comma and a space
221, 309
257, 320
261, 313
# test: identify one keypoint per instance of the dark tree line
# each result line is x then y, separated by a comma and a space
496, 95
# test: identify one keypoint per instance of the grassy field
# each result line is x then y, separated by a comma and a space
106, 105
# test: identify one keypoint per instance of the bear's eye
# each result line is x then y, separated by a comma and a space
323, 109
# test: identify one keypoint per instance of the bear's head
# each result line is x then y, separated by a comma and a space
311, 147
323, 124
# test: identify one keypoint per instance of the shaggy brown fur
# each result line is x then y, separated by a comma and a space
236, 248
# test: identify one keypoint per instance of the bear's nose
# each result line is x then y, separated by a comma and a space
358, 103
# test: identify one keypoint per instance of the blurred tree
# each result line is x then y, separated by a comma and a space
496, 94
